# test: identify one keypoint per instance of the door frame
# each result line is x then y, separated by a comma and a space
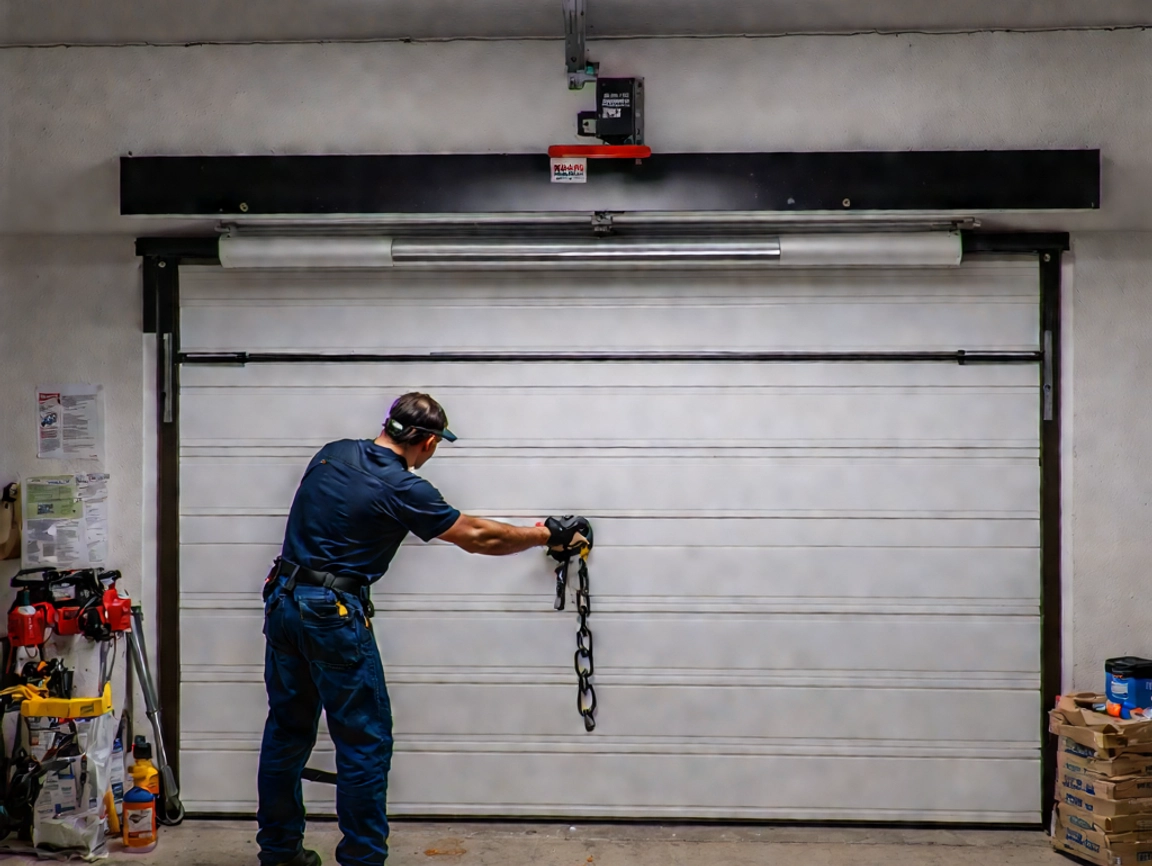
163, 256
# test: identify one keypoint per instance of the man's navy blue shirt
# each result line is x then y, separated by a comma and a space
355, 504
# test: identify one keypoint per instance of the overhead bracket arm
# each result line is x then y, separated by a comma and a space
580, 69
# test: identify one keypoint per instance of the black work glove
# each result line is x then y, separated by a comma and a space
564, 531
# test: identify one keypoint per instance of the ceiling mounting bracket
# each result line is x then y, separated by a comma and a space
581, 70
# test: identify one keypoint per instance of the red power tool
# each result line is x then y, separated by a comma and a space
83, 602
87, 603
28, 620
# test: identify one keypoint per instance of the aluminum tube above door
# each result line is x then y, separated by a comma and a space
305, 252
877, 249
586, 252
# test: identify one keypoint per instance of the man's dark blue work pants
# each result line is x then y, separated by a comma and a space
320, 652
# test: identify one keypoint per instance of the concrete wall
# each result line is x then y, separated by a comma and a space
67, 114
1112, 451
177, 22
72, 111
70, 312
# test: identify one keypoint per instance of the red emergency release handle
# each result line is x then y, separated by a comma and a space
600, 151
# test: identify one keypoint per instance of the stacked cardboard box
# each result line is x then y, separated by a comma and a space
1103, 784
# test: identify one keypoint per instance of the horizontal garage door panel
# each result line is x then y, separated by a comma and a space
667, 641
646, 484
779, 719
993, 306
650, 786
631, 419
864, 532
849, 406
712, 376
815, 590
753, 577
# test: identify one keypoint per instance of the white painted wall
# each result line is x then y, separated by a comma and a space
70, 312
66, 115
55, 22
73, 111
1112, 450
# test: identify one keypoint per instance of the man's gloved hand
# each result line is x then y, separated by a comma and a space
569, 533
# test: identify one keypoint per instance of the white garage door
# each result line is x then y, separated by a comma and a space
815, 588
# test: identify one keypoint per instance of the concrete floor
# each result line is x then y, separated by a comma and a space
230, 843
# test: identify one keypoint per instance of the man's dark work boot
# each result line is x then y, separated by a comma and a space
304, 858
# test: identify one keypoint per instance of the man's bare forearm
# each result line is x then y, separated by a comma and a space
500, 539
493, 538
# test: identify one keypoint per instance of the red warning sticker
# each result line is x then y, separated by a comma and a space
573, 169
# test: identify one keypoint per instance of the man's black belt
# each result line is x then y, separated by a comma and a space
298, 574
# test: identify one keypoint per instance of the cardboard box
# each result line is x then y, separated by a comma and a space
1116, 825
1103, 745
1123, 788
1077, 710
1075, 758
1101, 848
1102, 806
1107, 736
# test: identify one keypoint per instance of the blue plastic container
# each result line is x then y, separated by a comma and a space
1128, 685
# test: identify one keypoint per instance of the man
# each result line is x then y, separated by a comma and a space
355, 504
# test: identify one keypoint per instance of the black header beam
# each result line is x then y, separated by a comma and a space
189, 250
962, 181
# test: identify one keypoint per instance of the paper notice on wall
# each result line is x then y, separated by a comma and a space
70, 422
66, 521
92, 490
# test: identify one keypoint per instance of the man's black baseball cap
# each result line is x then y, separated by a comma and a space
396, 427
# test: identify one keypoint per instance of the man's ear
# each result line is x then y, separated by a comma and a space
429, 443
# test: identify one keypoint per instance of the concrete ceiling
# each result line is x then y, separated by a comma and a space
49, 22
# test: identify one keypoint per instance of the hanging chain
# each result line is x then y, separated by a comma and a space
582, 659
585, 694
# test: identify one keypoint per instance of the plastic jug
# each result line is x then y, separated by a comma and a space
143, 771
139, 818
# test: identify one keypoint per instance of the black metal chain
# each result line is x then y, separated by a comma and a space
582, 659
